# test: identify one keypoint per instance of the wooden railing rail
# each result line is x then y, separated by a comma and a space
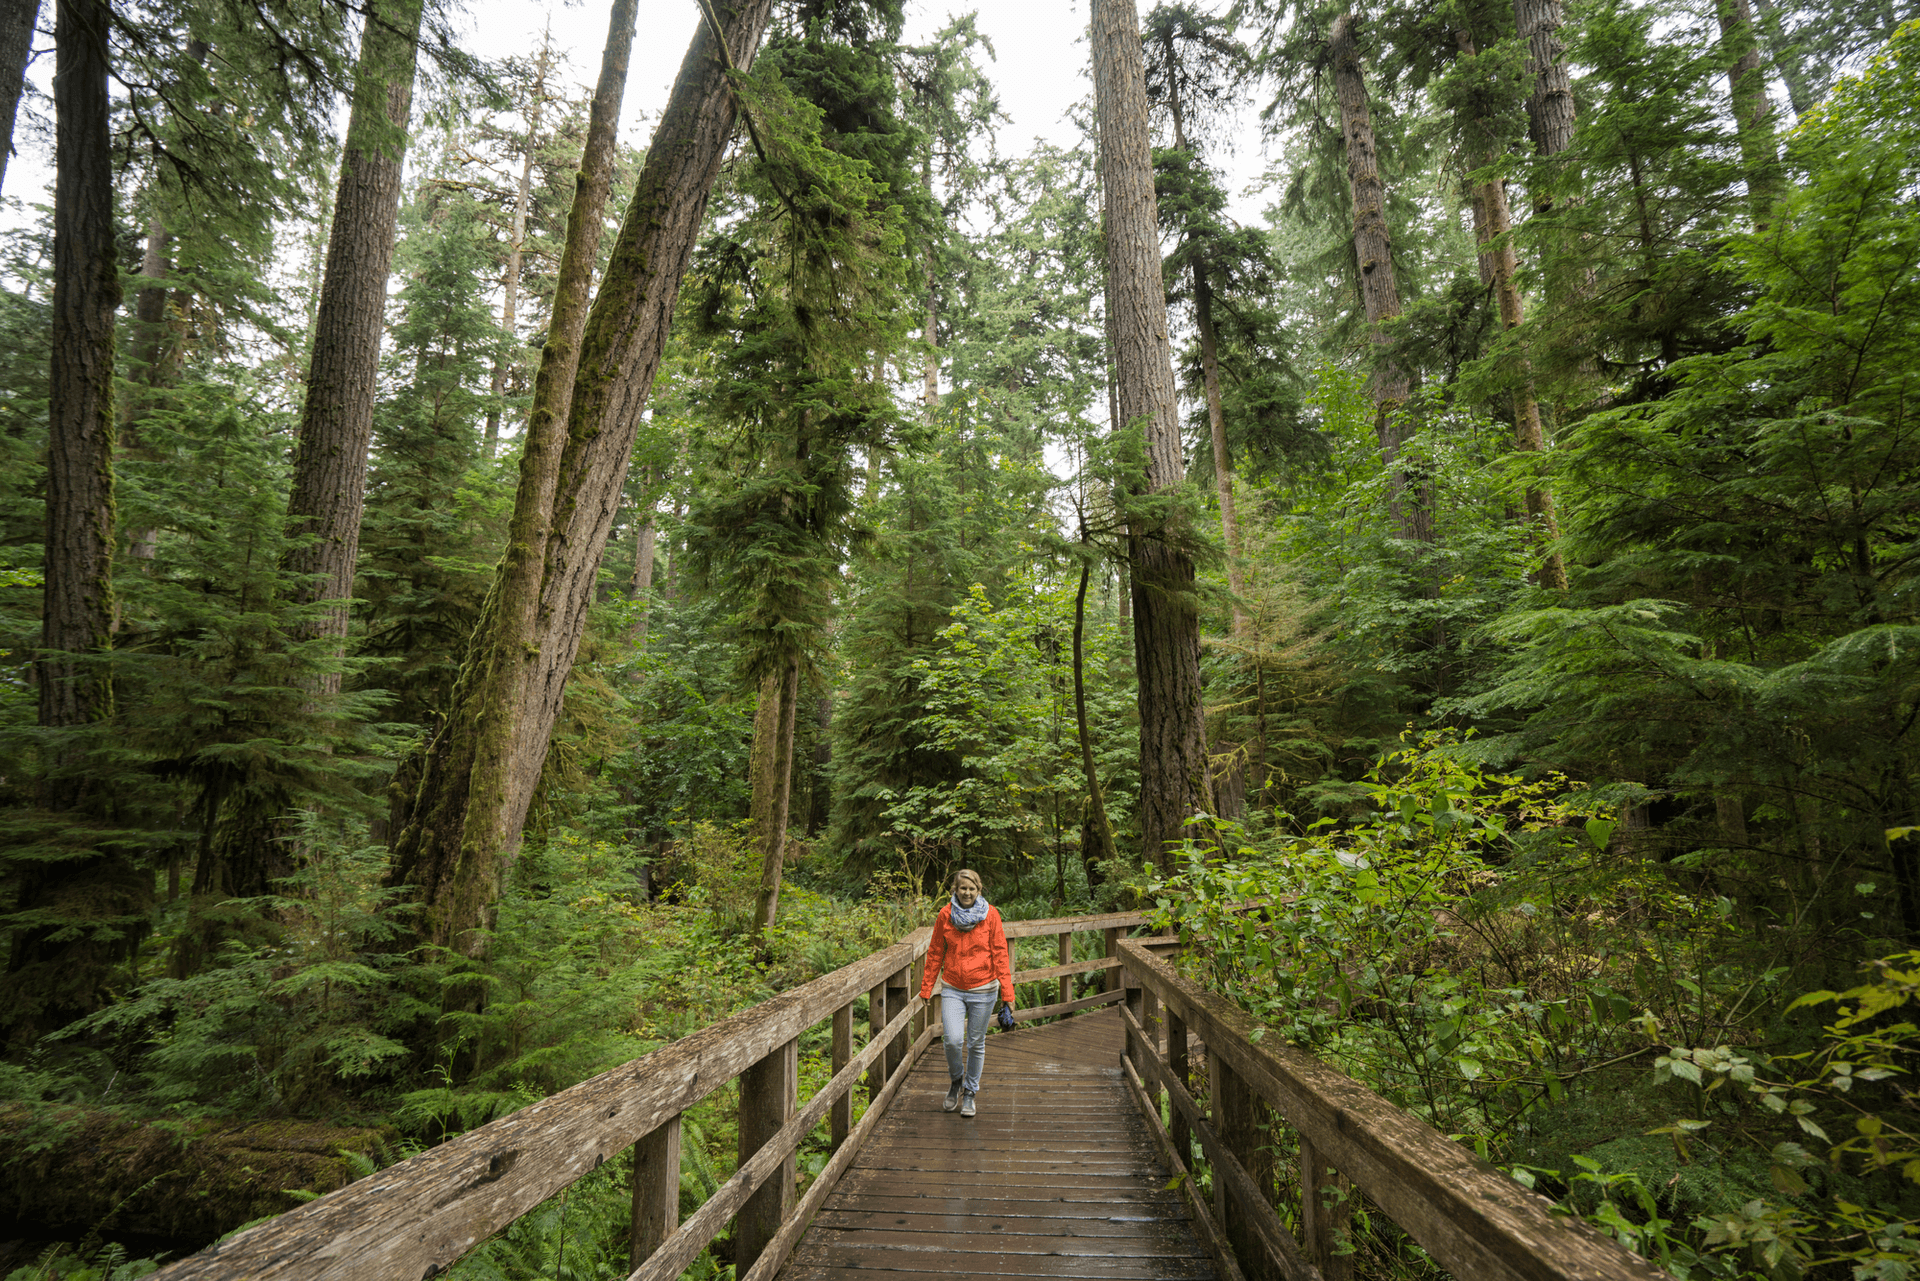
1477, 1223
417, 1218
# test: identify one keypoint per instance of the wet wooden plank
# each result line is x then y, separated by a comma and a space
1056, 1177
1137, 1205
970, 1220
1140, 1244
945, 1261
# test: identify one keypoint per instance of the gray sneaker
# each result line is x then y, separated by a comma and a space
953, 1098
966, 1104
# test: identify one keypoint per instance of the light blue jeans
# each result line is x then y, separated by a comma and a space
963, 1029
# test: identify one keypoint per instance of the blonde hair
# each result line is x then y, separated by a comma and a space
953, 882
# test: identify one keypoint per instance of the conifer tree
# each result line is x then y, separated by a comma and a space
336, 424
1476, 83
76, 915
1373, 255
480, 772
1166, 628
1192, 65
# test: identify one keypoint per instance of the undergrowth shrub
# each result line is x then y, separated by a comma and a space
1475, 947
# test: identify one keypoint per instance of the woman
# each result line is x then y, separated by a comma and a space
968, 949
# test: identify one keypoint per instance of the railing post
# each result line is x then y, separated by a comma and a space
876, 1022
1108, 980
656, 1190
1182, 1132
840, 1118
1134, 997
1326, 1215
1245, 1124
1066, 958
898, 994
767, 1092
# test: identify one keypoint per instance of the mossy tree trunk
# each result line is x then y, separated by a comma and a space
485, 762
772, 786
1166, 627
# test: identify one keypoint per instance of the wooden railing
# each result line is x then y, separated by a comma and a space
1474, 1221
417, 1218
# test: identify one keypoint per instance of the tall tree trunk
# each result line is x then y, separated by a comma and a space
328, 492
1096, 833
336, 421
77, 917
772, 786
485, 762
1222, 462
1209, 367
1166, 628
1550, 109
1752, 108
78, 617
819, 797
1499, 260
1373, 254
159, 339
641, 587
16, 45
930, 333
510, 291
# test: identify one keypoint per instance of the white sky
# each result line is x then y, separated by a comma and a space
1039, 69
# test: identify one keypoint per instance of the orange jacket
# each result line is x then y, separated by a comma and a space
972, 958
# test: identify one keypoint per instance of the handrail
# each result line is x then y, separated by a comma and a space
1474, 1221
417, 1218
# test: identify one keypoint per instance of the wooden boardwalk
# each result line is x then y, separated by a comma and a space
1056, 1177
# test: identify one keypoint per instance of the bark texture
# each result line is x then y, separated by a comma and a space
16, 44
1373, 256
76, 917
336, 422
1550, 110
78, 615
485, 763
1166, 626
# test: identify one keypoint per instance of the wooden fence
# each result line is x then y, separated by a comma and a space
417, 1218
1476, 1222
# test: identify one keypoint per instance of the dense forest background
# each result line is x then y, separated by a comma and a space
443, 661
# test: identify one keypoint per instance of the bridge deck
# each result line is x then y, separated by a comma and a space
1056, 1177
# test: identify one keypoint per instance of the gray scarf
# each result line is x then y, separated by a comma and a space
964, 919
